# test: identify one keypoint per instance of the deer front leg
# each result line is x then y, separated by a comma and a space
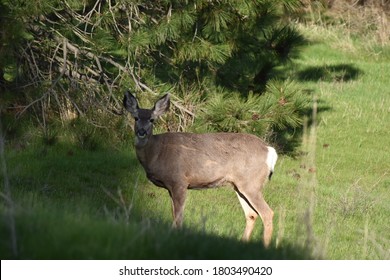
178, 198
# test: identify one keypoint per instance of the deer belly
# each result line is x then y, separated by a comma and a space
206, 184
156, 181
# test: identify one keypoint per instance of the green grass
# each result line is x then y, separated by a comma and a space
75, 204
331, 201
352, 152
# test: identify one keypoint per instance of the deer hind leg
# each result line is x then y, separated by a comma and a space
252, 201
250, 217
266, 215
178, 197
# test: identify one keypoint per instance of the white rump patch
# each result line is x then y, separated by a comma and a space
272, 157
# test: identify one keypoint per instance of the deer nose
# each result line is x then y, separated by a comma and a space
141, 133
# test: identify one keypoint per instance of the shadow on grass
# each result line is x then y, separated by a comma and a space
330, 73
47, 234
67, 173
61, 213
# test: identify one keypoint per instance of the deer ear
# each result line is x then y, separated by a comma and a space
131, 104
161, 106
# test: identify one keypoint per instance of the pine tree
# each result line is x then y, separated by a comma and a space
81, 55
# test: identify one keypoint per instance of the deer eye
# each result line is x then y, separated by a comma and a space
151, 120
136, 119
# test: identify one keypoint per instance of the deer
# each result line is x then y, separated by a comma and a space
178, 161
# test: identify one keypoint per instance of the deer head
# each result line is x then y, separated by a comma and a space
144, 118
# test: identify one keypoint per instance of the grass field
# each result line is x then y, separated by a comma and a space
331, 197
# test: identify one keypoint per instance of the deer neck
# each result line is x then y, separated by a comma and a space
145, 153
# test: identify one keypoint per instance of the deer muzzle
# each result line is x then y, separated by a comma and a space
141, 133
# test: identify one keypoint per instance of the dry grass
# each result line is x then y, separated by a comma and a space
370, 22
